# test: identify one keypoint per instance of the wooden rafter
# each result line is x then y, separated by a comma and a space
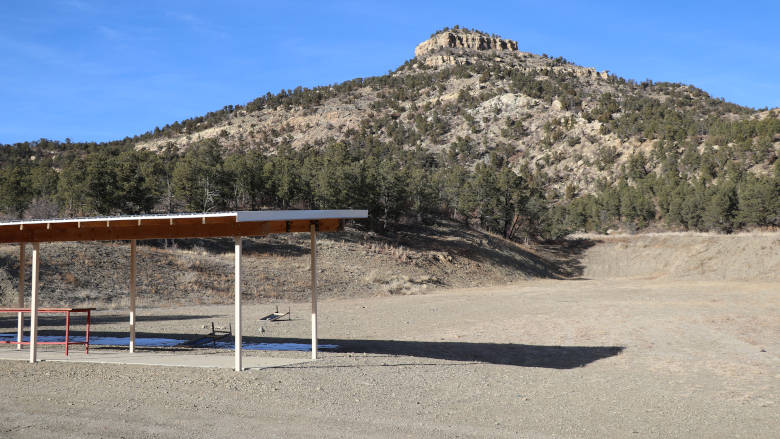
127, 229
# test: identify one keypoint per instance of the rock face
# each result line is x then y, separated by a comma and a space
458, 90
463, 40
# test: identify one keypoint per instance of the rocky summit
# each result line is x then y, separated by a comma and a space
478, 92
459, 46
462, 39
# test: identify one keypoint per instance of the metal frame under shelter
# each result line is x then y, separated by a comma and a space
192, 225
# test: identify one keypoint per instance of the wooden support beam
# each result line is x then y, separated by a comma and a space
219, 219
313, 231
237, 324
144, 231
36, 268
132, 295
20, 298
153, 228
96, 224
156, 222
31, 227
124, 223
189, 221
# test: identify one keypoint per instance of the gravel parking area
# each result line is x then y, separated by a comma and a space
584, 358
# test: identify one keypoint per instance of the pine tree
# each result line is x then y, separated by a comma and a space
199, 178
15, 194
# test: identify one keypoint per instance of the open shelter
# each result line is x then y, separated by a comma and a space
192, 225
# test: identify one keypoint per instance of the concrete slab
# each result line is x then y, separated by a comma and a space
225, 361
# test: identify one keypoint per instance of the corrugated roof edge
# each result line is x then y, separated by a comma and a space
241, 216
293, 215
120, 218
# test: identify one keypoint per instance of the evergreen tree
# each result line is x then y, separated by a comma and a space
71, 188
15, 193
43, 181
758, 200
102, 193
247, 179
286, 180
720, 207
200, 180
136, 192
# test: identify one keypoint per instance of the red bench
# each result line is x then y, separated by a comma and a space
67, 312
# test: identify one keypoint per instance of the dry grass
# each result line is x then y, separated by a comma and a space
354, 263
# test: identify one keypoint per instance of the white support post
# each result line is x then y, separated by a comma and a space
313, 291
20, 298
237, 324
36, 268
132, 296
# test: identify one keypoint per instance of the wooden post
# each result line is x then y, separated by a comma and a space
237, 324
36, 268
313, 228
132, 296
20, 298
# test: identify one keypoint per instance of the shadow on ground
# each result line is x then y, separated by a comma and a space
551, 357
559, 259
555, 259
267, 246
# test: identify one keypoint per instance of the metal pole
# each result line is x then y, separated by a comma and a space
36, 268
132, 296
67, 331
20, 299
86, 346
238, 302
313, 229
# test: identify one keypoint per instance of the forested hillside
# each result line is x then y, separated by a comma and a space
470, 129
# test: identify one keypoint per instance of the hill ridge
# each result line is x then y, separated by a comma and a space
587, 150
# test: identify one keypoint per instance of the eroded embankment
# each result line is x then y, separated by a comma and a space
276, 268
684, 256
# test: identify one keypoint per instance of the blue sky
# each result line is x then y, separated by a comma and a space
103, 70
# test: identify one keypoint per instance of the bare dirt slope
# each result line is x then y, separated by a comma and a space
407, 260
595, 358
684, 256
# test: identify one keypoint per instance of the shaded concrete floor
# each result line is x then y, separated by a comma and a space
219, 360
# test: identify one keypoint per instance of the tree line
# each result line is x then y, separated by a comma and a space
393, 183
699, 176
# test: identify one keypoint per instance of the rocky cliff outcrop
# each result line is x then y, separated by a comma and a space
463, 40
547, 110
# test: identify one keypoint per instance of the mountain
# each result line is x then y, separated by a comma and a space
596, 150
470, 88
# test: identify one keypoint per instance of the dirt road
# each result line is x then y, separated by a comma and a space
533, 359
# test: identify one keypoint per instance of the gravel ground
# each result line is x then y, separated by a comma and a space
585, 358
